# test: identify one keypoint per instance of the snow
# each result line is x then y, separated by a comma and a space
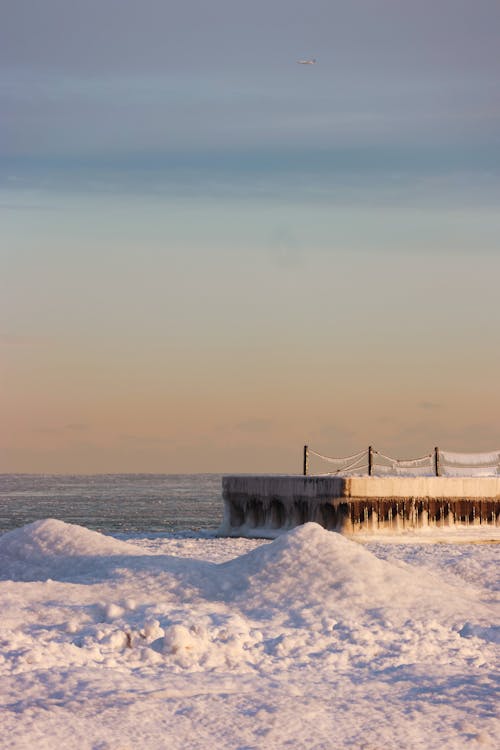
476, 471
310, 641
471, 459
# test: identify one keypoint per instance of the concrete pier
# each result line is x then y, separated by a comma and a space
264, 505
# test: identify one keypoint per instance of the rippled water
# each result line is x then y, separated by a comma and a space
113, 502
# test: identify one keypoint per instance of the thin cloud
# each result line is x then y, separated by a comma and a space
145, 439
72, 427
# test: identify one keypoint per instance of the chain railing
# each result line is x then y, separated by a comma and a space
436, 463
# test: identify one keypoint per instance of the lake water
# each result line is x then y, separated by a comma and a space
127, 503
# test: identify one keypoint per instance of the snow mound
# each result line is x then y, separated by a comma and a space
308, 641
307, 554
315, 567
48, 539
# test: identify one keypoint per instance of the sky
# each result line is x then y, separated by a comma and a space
211, 255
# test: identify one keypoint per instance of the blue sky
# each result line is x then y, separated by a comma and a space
211, 255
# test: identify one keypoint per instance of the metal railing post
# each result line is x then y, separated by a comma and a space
306, 460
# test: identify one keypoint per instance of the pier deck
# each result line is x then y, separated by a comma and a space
357, 504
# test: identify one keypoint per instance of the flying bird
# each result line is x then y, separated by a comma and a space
312, 61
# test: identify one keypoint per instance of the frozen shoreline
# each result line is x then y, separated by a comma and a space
312, 640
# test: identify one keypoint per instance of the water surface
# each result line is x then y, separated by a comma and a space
113, 502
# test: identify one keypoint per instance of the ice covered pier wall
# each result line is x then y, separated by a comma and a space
263, 505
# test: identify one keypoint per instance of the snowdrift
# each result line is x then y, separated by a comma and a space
53, 549
50, 538
306, 568
312, 628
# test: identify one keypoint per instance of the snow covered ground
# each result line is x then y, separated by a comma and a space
311, 641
